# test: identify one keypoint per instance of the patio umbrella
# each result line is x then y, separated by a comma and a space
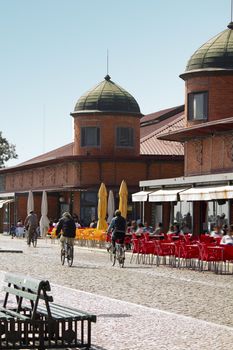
111, 206
30, 202
44, 221
102, 208
123, 195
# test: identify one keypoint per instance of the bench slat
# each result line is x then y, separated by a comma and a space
72, 310
28, 282
4, 316
14, 313
60, 312
20, 293
26, 294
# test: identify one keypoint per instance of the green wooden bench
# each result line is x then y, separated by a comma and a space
29, 319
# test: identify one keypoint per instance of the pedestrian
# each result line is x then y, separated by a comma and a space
12, 231
31, 224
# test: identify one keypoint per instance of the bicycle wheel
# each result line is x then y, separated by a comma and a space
63, 256
70, 255
121, 257
34, 241
113, 257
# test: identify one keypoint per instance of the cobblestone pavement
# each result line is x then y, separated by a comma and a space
138, 307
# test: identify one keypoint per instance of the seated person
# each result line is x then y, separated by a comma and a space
93, 223
158, 230
217, 232
134, 226
185, 229
177, 231
20, 229
140, 229
228, 238
147, 228
50, 228
171, 230
12, 231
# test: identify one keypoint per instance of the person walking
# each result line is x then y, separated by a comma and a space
31, 223
67, 225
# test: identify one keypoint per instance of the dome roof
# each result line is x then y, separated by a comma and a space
215, 55
107, 97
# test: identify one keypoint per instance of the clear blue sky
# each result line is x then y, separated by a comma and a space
52, 51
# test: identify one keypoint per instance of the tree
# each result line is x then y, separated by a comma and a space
7, 151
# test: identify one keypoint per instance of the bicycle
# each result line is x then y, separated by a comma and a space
67, 253
34, 239
118, 255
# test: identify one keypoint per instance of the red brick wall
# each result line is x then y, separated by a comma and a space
220, 90
107, 125
210, 155
213, 153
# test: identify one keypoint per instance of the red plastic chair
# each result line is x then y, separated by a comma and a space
137, 250
164, 250
189, 255
212, 257
148, 251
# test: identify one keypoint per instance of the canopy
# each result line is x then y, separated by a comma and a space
44, 221
5, 201
141, 196
30, 202
111, 206
123, 202
207, 193
102, 208
168, 195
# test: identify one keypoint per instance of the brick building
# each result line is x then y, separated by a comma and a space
107, 148
206, 190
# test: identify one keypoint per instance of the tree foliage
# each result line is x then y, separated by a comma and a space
7, 151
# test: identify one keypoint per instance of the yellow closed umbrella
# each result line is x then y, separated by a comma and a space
102, 208
123, 195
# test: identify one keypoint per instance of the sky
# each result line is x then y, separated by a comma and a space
53, 51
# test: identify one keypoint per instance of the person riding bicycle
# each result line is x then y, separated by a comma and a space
67, 225
118, 228
31, 223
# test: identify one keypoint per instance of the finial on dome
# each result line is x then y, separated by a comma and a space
230, 25
107, 77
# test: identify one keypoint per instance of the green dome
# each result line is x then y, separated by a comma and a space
215, 55
107, 97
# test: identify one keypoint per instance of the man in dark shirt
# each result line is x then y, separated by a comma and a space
31, 223
67, 225
118, 228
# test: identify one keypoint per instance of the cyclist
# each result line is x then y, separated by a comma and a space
67, 225
31, 223
118, 228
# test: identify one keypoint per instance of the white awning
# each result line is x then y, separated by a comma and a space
7, 195
169, 195
140, 196
207, 193
5, 201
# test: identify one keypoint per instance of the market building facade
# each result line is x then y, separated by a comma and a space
206, 190
107, 148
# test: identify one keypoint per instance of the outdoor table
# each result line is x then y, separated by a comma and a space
175, 238
156, 237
